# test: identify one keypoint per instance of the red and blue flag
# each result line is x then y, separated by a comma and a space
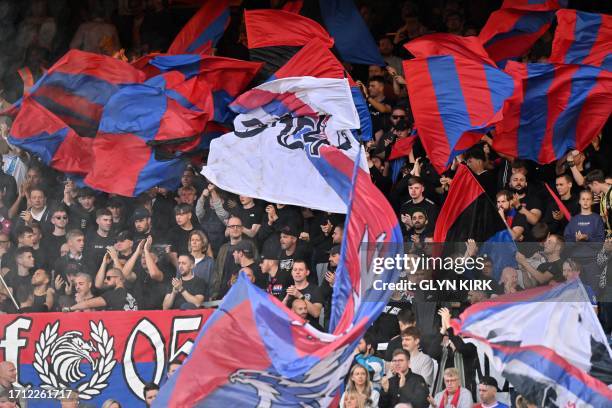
582, 38
534, 5
454, 101
556, 108
76, 88
510, 33
204, 30
138, 123
40, 132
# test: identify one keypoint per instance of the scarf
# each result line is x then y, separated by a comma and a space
454, 401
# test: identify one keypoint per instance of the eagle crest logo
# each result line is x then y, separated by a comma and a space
58, 359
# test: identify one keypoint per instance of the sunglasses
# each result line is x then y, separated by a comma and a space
63, 217
397, 116
234, 226
109, 277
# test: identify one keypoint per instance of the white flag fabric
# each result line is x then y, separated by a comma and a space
547, 342
276, 151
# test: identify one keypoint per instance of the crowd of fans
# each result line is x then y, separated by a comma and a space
68, 248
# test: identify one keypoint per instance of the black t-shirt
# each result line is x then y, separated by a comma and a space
51, 245
386, 325
250, 216
285, 262
66, 265
194, 286
312, 293
95, 248
277, 285
179, 239
428, 206
150, 293
119, 299
555, 267
22, 285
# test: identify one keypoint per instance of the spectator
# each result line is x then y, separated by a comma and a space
212, 216
179, 234
111, 403
359, 383
528, 204
454, 395
172, 367
117, 210
553, 217
277, 284
82, 287
187, 291
96, 35
416, 190
509, 280
291, 248
150, 393
201, 251
142, 225
487, 392
42, 297
20, 277
300, 308
146, 278
366, 358
507, 207
405, 319
596, 182
97, 241
116, 296
420, 363
244, 256
8, 377
571, 271
328, 281
73, 261
549, 270
402, 385
251, 214
81, 214
8, 187
302, 289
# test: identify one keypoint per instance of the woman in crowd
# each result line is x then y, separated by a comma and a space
359, 383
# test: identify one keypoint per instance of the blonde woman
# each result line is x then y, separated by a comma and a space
199, 247
359, 383
352, 399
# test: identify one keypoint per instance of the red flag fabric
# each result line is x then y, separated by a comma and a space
448, 44
271, 28
402, 147
204, 30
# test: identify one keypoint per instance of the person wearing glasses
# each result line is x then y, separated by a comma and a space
115, 297
454, 395
401, 385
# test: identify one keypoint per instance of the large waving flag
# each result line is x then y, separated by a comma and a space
556, 108
274, 36
449, 44
547, 342
227, 77
352, 37
316, 60
468, 213
454, 100
281, 118
274, 358
40, 132
510, 33
76, 88
137, 122
535, 5
582, 38
204, 30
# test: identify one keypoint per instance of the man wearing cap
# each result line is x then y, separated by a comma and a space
244, 256
117, 209
302, 289
487, 392
291, 248
269, 266
179, 234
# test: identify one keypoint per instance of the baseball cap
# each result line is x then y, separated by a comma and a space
290, 230
245, 247
269, 254
141, 213
123, 235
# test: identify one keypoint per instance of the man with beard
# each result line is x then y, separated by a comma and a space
291, 248
302, 289
116, 296
327, 285
552, 269
506, 207
300, 308
420, 228
526, 203
188, 290
142, 225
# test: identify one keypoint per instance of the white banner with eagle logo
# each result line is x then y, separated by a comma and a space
274, 153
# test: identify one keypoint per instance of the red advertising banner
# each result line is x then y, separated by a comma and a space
100, 355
